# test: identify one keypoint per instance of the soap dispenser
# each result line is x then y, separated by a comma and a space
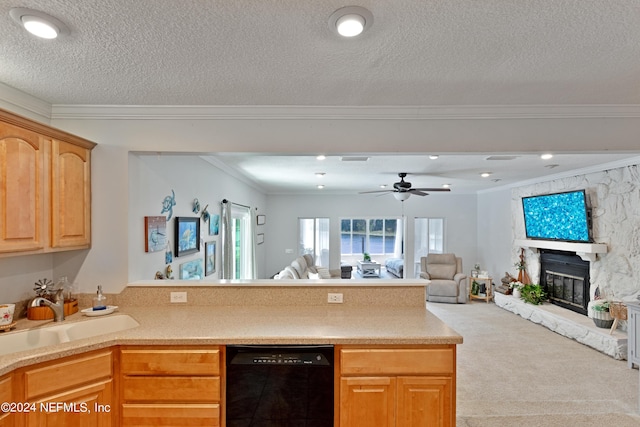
99, 301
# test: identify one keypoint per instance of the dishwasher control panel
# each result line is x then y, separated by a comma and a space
279, 358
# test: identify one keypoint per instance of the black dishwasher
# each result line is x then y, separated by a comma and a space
283, 386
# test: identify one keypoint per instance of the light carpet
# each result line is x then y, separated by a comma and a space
512, 372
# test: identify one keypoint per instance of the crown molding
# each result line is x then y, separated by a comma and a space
454, 112
23, 103
631, 161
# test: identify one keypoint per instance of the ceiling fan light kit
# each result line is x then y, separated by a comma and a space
402, 189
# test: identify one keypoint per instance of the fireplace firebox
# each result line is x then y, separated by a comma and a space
565, 278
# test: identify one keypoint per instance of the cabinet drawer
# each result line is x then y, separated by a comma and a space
397, 361
170, 415
171, 389
62, 375
171, 362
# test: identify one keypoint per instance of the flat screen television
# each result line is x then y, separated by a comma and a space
559, 216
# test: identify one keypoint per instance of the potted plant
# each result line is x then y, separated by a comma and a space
598, 310
516, 288
532, 294
366, 257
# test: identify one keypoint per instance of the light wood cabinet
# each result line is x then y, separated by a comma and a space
6, 395
171, 386
73, 391
396, 386
45, 188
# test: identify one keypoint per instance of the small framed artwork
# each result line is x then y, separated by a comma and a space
214, 224
261, 219
209, 258
187, 235
155, 232
260, 238
191, 270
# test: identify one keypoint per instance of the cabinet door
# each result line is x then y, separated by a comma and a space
6, 395
425, 401
70, 195
367, 401
21, 189
86, 406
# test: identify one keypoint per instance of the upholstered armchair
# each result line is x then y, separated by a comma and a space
448, 282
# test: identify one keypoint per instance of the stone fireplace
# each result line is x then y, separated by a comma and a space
565, 278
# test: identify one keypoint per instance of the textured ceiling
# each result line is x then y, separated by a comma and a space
282, 52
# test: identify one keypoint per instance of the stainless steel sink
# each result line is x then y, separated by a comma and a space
12, 342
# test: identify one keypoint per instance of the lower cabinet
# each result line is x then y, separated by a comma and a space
397, 386
72, 391
6, 395
170, 386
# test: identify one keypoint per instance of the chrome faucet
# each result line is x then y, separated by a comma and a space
57, 306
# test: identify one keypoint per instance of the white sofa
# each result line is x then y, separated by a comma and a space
303, 267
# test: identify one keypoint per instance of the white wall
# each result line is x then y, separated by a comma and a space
459, 212
151, 178
495, 241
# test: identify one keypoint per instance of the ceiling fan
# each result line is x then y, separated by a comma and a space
402, 189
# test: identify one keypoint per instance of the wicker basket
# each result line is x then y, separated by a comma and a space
618, 310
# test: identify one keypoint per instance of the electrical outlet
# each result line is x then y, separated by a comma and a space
178, 297
334, 298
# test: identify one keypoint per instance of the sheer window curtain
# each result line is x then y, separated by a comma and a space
238, 242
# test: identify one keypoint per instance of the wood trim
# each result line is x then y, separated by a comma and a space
43, 129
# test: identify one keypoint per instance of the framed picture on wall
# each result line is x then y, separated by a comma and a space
155, 232
214, 224
187, 235
209, 258
191, 270
260, 239
261, 219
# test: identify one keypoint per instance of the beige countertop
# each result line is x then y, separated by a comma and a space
189, 324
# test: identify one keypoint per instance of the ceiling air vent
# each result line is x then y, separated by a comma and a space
355, 159
501, 158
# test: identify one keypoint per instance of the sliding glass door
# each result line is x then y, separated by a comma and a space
313, 238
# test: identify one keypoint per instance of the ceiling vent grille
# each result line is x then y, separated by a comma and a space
355, 159
501, 158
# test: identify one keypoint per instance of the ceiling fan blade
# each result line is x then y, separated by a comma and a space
417, 192
432, 189
377, 191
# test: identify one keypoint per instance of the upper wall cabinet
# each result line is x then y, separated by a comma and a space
45, 188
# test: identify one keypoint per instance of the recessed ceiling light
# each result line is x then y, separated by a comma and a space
485, 174
320, 187
383, 185
433, 156
350, 21
546, 156
38, 23
446, 185
320, 174
321, 157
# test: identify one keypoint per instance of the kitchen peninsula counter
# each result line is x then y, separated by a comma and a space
372, 320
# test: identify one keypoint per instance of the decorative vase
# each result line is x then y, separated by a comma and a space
517, 293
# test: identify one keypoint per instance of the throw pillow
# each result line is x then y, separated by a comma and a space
324, 273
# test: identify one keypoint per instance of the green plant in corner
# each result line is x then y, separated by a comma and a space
533, 294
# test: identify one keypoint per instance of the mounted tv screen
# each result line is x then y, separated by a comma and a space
559, 216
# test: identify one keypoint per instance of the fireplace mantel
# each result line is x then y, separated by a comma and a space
586, 251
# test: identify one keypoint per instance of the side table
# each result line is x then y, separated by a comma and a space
488, 291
